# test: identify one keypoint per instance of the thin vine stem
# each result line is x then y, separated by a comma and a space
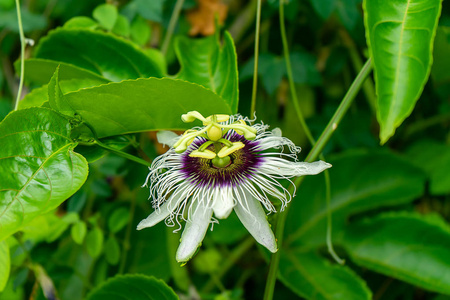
314, 154
255, 67
171, 27
306, 130
22, 55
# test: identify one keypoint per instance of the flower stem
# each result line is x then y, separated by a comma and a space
22, 55
255, 67
313, 154
171, 27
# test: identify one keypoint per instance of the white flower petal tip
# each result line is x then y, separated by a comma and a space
154, 218
317, 167
168, 138
194, 233
254, 219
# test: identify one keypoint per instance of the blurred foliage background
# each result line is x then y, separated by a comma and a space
390, 203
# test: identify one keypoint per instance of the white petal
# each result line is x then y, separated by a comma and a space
194, 233
223, 202
283, 167
168, 138
254, 219
162, 212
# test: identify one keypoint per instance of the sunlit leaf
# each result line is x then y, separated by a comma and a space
5, 264
214, 66
409, 247
400, 36
143, 104
120, 59
313, 277
38, 166
135, 287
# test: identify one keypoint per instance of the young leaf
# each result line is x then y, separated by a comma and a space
106, 15
117, 59
313, 277
38, 166
132, 287
140, 30
358, 184
5, 264
94, 242
406, 246
143, 105
206, 62
400, 37
56, 97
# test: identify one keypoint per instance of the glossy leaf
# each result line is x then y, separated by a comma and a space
406, 246
5, 264
400, 36
143, 104
313, 277
82, 48
38, 166
132, 287
206, 62
358, 184
56, 98
434, 159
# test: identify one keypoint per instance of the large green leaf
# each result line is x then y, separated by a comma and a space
206, 62
359, 182
143, 104
102, 53
400, 36
434, 159
409, 247
39, 71
133, 287
313, 277
38, 166
5, 264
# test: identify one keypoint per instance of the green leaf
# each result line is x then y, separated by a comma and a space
78, 232
56, 97
206, 62
151, 10
348, 13
406, 246
112, 251
140, 31
40, 71
118, 219
358, 184
94, 242
5, 264
434, 159
143, 105
80, 22
400, 37
30, 21
324, 7
313, 277
120, 59
132, 287
47, 227
38, 166
122, 26
106, 15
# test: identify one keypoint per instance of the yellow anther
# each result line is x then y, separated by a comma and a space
203, 154
225, 151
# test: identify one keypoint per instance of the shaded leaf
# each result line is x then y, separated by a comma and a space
358, 184
206, 62
132, 287
324, 7
78, 232
313, 277
30, 21
140, 31
119, 60
112, 251
151, 10
94, 242
37, 176
406, 246
118, 219
143, 104
400, 36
